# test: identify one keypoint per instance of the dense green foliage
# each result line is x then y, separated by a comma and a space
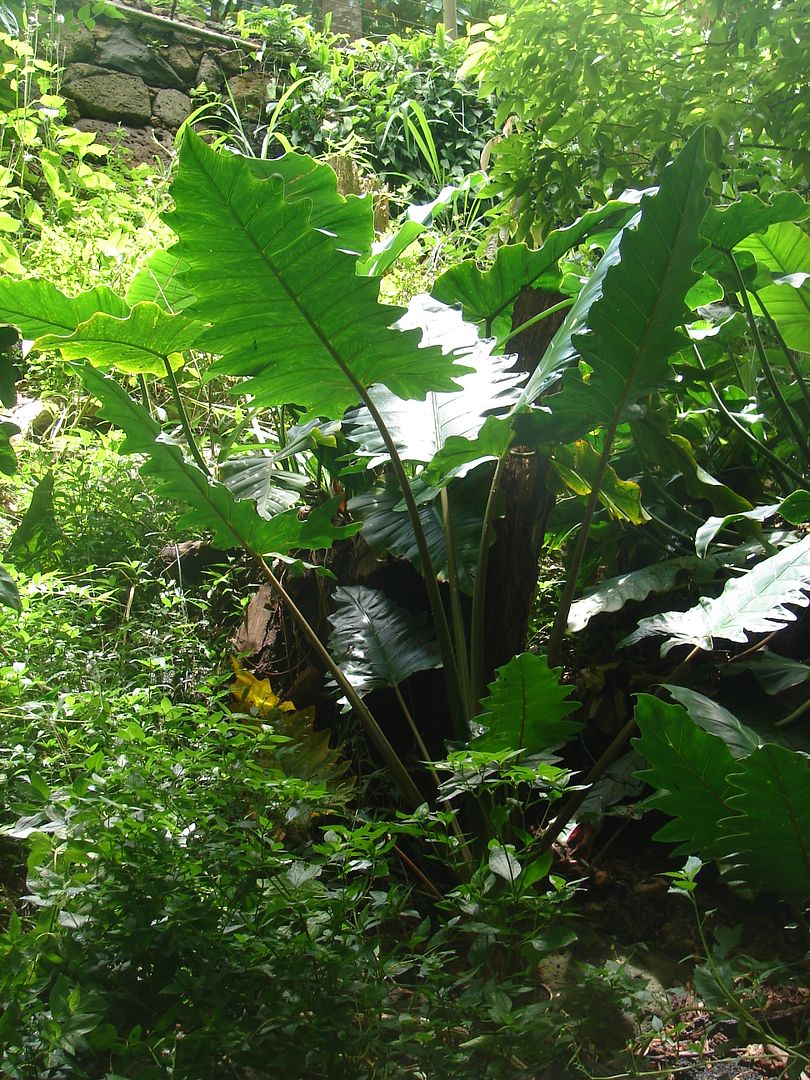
596, 97
205, 880
398, 107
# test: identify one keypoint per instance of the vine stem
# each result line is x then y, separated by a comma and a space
786, 411
183, 416
451, 669
459, 632
480, 587
781, 468
372, 728
534, 321
423, 750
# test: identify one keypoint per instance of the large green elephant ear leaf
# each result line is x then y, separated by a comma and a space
211, 506
288, 313
387, 526
527, 708
766, 842
489, 295
376, 642
623, 322
785, 250
349, 219
39, 308
759, 602
143, 343
420, 429
689, 769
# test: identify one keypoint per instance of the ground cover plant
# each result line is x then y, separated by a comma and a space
374, 862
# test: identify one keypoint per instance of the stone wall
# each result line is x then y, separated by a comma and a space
133, 78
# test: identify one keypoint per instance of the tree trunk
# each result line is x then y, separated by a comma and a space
512, 572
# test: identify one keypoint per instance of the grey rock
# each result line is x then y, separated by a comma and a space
136, 146
209, 73
182, 62
170, 108
80, 71
76, 44
250, 93
109, 95
233, 61
124, 51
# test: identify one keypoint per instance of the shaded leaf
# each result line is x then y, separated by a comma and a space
526, 708
689, 769
766, 840
577, 466
755, 603
740, 740
387, 527
9, 594
613, 593
376, 642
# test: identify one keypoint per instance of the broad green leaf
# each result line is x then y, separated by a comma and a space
459, 453
39, 308
759, 602
726, 227
577, 465
288, 312
785, 250
773, 672
38, 529
8, 459
712, 526
9, 594
376, 642
613, 593
766, 839
623, 324
795, 509
526, 708
486, 295
689, 770
387, 527
384, 253
9, 339
672, 455
211, 505
256, 477
159, 282
740, 740
502, 862
421, 429
348, 219
139, 344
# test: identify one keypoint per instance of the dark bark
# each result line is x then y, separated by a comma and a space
513, 562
